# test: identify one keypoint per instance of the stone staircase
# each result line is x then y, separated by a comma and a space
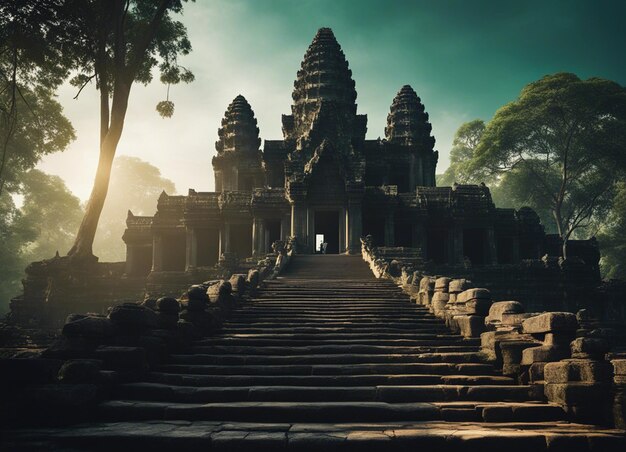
328, 357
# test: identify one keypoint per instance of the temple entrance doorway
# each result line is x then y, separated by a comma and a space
327, 225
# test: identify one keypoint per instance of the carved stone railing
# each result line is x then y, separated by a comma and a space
573, 357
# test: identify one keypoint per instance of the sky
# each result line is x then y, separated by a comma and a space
465, 59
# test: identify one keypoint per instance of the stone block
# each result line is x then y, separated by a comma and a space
551, 322
470, 325
442, 284
497, 309
619, 366
515, 320
458, 285
439, 302
134, 317
511, 352
577, 393
78, 371
476, 293
544, 354
238, 284
578, 370
197, 292
536, 372
478, 306
589, 348
194, 304
221, 292
560, 339
91, 327
168, 305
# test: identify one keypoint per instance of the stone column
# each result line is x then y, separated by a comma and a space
191, 254
157, 252
224, 239
390, 226
258, 236
299, 223
354, 228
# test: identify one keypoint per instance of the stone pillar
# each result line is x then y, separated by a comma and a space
157, 252
390, 226
354, 228
224, 239
258, 236
191, 254
299, 223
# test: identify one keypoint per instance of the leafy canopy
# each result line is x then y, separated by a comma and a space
565, 138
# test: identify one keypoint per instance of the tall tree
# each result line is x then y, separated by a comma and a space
568, 135
136, 186
118, 43
466, 140
612, 237
31, 121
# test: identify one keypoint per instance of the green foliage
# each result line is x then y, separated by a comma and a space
165, 108
612, 237
136, 186
111, 47
466, 140
561, 145
42, 225
31, 68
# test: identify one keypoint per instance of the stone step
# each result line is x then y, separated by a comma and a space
419, 339
330, 323
439, 435
333, 369
356, 331
156, 392
182, 379
221, 359
334, 349
317, 412
320, 335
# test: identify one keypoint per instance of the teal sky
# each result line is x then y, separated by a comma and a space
465, 59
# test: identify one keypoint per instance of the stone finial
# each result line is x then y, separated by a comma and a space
239, 131
407, 122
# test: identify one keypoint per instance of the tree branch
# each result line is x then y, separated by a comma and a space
80, 90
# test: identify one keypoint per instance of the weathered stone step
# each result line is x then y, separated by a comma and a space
348, 369
258, 342
369, 325
338, 335
269, 321
447, 357
357, 331
518, 436
156, 392
181, 379
438, 346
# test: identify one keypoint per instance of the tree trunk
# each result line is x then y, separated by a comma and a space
83, 245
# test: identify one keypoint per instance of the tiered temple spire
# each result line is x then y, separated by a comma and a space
407, 122
324, 76
239, 131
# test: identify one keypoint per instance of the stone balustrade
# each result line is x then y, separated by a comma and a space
568, 355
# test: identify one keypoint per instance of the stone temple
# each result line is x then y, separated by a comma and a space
325, 183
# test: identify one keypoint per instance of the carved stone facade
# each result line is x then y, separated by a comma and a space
324, 182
